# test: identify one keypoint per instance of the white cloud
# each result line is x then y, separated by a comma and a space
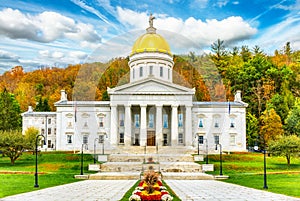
277, 35
231, 29
44, 27
199, 4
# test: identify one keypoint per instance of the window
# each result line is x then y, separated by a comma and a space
232, 122
180, 120
121, 138
101, 122
49, 144
85, 139
54, 131
49, 131
216, 124
232, 139
69, 139
200, 125
161, 71
42, 131
180, 138
165, 141
137, 120
101, 139
217, 139
165, 121
49, 121
151, 70
141, 71
151, 120
200, 139
121, 119
168, 74
85, 125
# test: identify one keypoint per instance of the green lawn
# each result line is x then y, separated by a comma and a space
56, 168
247, 170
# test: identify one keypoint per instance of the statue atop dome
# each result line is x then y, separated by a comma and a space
151, 29
151, 18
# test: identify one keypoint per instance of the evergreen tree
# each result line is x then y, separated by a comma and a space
10, 118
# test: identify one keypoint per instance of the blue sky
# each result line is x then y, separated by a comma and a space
35, 33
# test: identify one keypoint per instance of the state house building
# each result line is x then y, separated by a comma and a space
148, 111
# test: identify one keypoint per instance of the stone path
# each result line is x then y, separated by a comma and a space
88, 190
194, 190
113, 190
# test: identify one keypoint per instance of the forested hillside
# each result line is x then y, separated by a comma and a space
270, 84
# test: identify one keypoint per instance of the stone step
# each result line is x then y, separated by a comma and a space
150, 158
186, 176
115, 176
160, 167
152, 150
137, 175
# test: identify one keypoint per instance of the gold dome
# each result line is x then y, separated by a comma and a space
151, 42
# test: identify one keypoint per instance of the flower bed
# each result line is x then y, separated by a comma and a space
150, 188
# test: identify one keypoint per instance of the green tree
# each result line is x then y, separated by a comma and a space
286, 146
30, 137
271, 126
42, 105
252, 129
10, 118
12, 144
292, 121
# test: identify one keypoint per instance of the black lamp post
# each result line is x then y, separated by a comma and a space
81, 166
36, 185
95, 150
265, 168
221, 173
206, 145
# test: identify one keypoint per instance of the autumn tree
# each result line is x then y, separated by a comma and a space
271, 126
286, 146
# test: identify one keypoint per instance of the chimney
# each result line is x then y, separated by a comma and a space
30, 109
237, 96
63, 95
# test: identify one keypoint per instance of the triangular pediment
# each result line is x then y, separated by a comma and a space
151, 86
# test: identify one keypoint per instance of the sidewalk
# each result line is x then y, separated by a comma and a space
113, 190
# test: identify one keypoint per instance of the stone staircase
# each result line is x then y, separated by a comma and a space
173, 163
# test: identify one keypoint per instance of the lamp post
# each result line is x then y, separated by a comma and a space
36, 185
265, 164
95, 150
221, 172
81, 166
265, 168
206, 145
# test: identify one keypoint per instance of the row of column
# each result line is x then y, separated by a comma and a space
158, 125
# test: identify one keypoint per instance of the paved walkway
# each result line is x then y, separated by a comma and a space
113, 190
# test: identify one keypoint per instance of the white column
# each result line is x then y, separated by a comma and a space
158, 125
143, 128
127, 134
188, 126
113, 125
174, 125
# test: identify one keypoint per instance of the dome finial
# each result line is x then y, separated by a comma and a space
151, 18
151, 29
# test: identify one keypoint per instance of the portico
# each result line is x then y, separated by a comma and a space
151, 124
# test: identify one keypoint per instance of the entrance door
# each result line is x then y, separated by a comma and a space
150, 138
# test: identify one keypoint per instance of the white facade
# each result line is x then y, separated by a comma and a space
148, 111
